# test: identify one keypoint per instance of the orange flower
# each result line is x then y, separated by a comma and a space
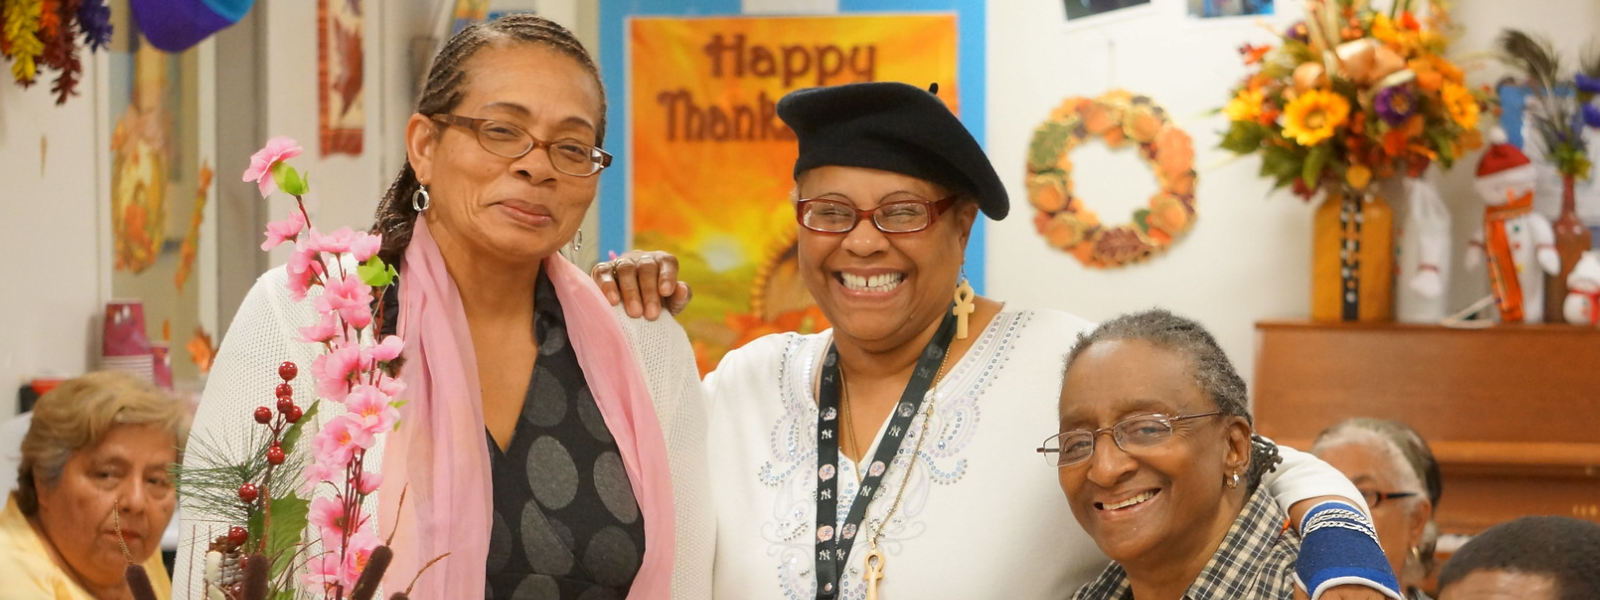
1463, 108
1244, 107
1314, 116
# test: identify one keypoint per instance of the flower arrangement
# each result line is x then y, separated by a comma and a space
39, 34
269, 495
1351, 94
1560, 123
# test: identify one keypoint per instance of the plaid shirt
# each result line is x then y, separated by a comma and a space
1255, 561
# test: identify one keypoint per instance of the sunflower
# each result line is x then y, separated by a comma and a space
1462, 106
1244, 107
1314, 116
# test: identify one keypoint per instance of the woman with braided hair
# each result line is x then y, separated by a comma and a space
551, 447
1172, 490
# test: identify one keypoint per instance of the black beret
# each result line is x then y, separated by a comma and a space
892, 127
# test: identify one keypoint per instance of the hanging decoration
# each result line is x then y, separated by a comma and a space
42, 34
341, 105
1117, 118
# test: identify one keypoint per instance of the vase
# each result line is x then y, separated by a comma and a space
1352, 257
1572, 240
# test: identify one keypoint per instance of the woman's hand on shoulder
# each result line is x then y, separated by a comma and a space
643, 282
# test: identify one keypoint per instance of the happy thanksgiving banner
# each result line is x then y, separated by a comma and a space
713, 164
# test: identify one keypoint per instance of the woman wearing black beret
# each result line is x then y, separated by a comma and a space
889, 457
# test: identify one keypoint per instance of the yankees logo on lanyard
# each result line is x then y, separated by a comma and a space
833, 546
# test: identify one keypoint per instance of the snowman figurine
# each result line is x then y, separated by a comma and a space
1517, 242
1582, 306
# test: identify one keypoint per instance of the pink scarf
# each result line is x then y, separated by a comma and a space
442, 451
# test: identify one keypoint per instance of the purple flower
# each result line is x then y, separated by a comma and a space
1298, 32
1588, 84
1395, 104
1591, 115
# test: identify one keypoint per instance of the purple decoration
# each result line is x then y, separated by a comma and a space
1298, 32
94, 17
1591, 115
1395, 104
1588, 84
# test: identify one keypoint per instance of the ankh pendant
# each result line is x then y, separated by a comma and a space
874, 562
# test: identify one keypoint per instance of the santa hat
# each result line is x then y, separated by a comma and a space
1503, 164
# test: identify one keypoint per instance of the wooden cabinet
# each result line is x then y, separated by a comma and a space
1512, 412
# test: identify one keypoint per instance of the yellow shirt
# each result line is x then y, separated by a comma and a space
31, 575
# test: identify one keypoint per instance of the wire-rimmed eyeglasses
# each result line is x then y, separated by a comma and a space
1131, 435
504, 139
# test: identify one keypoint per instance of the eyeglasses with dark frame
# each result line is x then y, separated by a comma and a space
1374, 497
901, 216
505, 139
1140, 432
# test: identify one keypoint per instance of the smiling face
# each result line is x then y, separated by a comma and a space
1400, 521
502, 209
1159, 506
881, 290
127, 471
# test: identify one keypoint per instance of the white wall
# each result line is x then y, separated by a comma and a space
51, 278
1248, 256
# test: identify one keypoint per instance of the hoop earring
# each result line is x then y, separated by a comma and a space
577, 242
1233, 481
963, 305
420, 200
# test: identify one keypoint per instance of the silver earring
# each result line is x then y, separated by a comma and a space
577, 242
420, 201
1233, 481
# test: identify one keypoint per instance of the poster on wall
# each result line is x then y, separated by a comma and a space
341, 112
159, 182
1209, 9
711, 163
1078, 9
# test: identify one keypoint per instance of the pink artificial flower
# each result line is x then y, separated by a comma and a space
365, 245
324, 330
391, 386
327, 514
333, 371
304, 264
348, 296
356, 554
388, 349
316, 474
334, 243
368, 482
279, 232
324, 572
339, 440
371, 407
278, 149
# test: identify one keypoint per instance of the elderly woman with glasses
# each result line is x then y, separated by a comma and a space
1397, 474
93, 494
879, 459
1175, 498
551, 447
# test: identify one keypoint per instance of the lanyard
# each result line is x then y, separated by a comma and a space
830, 556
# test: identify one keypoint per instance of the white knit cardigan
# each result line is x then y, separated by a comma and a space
262, 337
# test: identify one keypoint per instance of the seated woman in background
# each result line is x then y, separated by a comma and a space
1396, 472
93, 494
1174, 499
1531, 558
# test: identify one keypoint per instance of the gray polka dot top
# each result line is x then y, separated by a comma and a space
566, 524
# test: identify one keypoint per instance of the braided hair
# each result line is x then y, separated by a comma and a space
1211, 369
443, 92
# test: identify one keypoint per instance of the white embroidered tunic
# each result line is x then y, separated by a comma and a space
983, 515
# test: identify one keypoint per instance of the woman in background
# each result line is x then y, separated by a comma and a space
1399, 478
93, 493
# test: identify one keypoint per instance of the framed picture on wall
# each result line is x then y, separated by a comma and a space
1077, 9
1211, 9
